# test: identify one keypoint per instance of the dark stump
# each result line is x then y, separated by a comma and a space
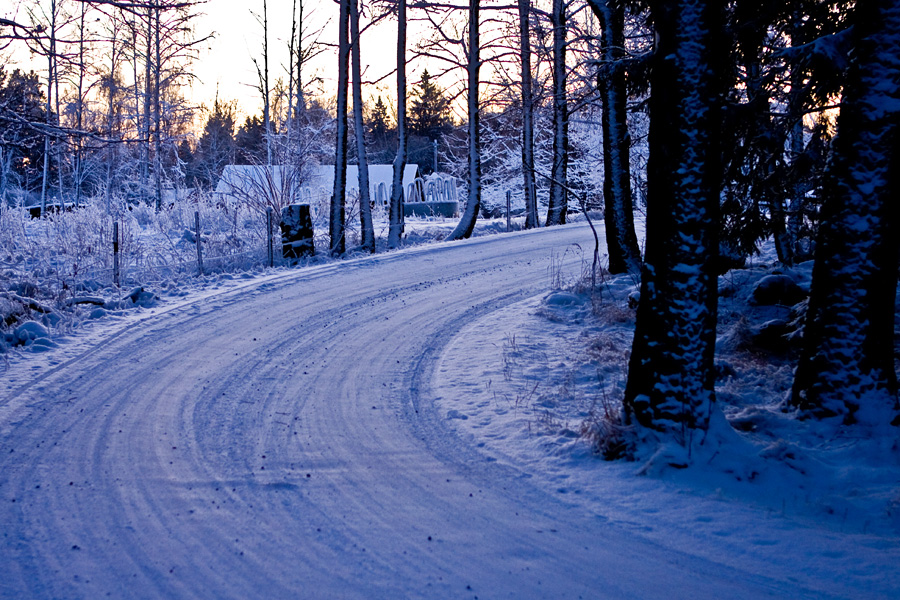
296, 232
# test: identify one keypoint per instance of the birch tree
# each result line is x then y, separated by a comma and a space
396, 209
618, 211
530, 189
262, 73
557, 204
473, 65
337, 223
367, 229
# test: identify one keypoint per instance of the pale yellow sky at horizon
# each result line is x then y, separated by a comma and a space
225, 62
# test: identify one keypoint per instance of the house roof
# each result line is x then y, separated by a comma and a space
261, 180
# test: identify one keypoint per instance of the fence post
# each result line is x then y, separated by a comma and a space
116, 253
199, 252
271, 252
508, 204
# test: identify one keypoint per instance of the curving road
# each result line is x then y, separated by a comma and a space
279, 441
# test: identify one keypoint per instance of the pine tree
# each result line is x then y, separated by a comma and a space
429, 110
669, 396
216, 147
379, 121
846, 369
250, 142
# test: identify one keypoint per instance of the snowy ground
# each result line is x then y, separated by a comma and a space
413, 425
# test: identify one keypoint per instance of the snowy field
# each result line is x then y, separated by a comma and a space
417, 424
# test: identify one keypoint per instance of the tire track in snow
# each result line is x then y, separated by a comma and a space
278, 441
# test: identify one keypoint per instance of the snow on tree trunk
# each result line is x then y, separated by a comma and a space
557, 206
157, 112
670, 393
338, 198
531, 216
467, 223
395, 216
365, 208
846, 368
618, 212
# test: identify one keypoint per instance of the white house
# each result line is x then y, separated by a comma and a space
294, 185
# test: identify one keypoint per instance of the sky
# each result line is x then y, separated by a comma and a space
225, 62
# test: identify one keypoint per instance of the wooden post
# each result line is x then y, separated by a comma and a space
116, 253
508, 204
271, 254
199, 251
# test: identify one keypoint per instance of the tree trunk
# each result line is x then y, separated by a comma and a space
338, 199
846, 368
670, 393
618, 211
367, 229
467, 223
267, 118
52, 78
395, 210
157, 117
147, 104
558, 203
78, 167
531, 214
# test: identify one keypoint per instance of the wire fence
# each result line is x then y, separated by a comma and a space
89, 248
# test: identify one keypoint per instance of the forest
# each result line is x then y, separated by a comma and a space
723, 124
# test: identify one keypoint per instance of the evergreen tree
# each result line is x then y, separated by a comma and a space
216, 147
379, 120
429, 110
21, 103
846, 369
381, 145
669, 396
250, 142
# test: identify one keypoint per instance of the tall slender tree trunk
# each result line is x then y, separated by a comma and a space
367, 229
466, 224
669, 396
338, 199
558, 203
618, 210
846, 368
157, 112
301, 102
531, 214
148, 91
292, 45
267, 119
52, 80
395, 208
77, 171
57, 148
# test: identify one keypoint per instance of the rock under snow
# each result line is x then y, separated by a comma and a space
777, 289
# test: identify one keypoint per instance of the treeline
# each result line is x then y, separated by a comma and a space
743, 146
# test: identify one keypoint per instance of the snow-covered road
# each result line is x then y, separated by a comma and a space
280, 440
